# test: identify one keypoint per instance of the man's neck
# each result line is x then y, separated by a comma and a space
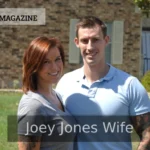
94, 73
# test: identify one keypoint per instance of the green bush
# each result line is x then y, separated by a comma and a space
146, 81
144, 5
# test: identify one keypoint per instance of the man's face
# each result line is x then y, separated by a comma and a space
92, 44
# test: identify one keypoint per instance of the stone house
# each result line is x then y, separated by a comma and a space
124, 28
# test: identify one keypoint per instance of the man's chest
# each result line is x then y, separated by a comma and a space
95, 101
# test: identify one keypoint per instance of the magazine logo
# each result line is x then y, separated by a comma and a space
22, 16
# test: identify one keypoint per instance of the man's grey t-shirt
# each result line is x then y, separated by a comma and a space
39, 117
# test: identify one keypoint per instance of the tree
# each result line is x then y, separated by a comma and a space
144, 5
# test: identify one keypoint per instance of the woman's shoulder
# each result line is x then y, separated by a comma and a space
29, 103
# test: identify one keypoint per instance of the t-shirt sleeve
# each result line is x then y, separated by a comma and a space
31, 121
138, 98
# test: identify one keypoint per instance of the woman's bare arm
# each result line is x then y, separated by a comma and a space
29, 142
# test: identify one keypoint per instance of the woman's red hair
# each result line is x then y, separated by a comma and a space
34, 57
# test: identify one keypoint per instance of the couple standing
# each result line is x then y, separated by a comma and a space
92, 93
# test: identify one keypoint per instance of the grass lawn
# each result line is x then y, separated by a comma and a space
8, 106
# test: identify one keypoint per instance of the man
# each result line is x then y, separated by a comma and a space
99, 89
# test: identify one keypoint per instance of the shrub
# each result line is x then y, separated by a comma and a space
146, 81
144, 5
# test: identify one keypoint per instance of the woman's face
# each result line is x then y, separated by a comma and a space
52, 67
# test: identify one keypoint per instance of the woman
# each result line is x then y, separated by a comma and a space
42, 119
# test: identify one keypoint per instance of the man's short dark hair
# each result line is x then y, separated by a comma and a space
89, 22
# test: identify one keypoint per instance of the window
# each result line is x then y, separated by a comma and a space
74, 52
108, 48
117, 42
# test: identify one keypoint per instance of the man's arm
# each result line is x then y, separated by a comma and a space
29, 142
141, 125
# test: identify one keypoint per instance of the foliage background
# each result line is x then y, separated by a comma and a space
144, 5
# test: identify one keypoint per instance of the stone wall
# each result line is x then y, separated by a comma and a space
15, 39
